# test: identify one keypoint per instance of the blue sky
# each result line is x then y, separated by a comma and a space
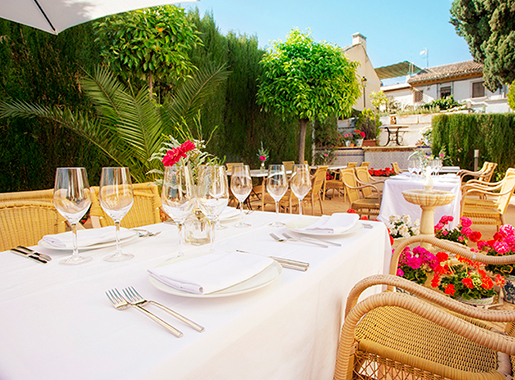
396, 30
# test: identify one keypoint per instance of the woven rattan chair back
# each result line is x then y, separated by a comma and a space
36, 195
364, 177
144, 210
365, 164
288, 165
396, 167
229, 166
25, 222
489, 172
351, 165
349, 180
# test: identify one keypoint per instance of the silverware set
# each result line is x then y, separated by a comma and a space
131, 298
286, 263
304, 240
31, 254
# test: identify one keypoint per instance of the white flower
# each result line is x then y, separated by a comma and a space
406, 219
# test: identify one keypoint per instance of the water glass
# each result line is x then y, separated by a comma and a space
241, 186
72, 199
116, 199
300, 183
277, 185
212, 194
177, 197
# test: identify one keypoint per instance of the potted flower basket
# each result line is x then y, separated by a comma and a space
503, 243
419, 265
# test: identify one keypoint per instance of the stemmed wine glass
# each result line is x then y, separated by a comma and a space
241, 186
412, 166
277, 185
300, 182
116, 199
177, 197
212, 195
72, 199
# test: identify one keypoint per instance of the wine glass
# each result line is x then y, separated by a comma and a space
177, 197
412, 166
277, 185
212, 195
241, 186
72, 199
116, 198
300, 182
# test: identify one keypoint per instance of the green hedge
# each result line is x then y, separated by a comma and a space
461, 134
45, 69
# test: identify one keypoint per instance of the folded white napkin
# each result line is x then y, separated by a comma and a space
334, 224
88, 237
211, 272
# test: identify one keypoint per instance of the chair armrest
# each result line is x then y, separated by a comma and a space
481, 186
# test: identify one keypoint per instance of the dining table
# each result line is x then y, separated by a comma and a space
57, 322
394, 203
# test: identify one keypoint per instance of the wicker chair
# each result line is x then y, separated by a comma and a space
484, 174
351, 165
365, 164
288, 165
363, 178
25, 222
229, 166
395, 335
35, 195
396, 168
145, 209
485, 204
314, 195
363, 206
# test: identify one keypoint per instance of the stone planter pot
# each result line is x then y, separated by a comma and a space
478, 302
509, 289
369, 143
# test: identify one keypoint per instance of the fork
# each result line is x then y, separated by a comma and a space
121, 303
274, 236
136, 299
301, 239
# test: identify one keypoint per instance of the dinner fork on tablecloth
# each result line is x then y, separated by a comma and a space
121, 303
134, 298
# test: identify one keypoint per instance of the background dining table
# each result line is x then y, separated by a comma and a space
393, 202
57, 322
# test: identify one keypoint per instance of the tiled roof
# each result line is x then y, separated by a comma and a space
450, 71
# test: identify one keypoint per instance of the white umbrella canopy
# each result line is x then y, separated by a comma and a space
54, 16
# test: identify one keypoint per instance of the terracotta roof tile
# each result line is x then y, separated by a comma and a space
447, 71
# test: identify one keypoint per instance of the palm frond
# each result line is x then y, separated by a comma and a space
190, 97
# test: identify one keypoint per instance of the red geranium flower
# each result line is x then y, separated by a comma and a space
467, 281
450, 289
174, 155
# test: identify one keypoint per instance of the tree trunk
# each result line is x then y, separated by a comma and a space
302, 139
150, 85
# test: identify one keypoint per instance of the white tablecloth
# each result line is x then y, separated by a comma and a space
57, 322
393, 203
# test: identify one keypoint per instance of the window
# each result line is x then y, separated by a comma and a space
445, 92
418, 96
478, 90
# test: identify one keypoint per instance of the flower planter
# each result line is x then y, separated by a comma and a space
359, 142
509, 289
347, 143
478, 302
369, 143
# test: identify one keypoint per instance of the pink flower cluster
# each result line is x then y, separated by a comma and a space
174, 155
460, 234
417, 258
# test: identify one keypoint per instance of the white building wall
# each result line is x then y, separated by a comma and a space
495, 102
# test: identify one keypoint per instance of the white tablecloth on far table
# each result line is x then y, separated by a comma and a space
58, 324
393, 203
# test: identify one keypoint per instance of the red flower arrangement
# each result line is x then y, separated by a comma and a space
460, 234
503, 243
466, 280
386, 172
175, 154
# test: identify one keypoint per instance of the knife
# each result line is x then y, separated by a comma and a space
32, 252
30, 256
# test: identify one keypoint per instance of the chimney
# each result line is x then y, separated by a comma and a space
358, 38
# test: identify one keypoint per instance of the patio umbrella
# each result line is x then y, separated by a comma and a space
54, 16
